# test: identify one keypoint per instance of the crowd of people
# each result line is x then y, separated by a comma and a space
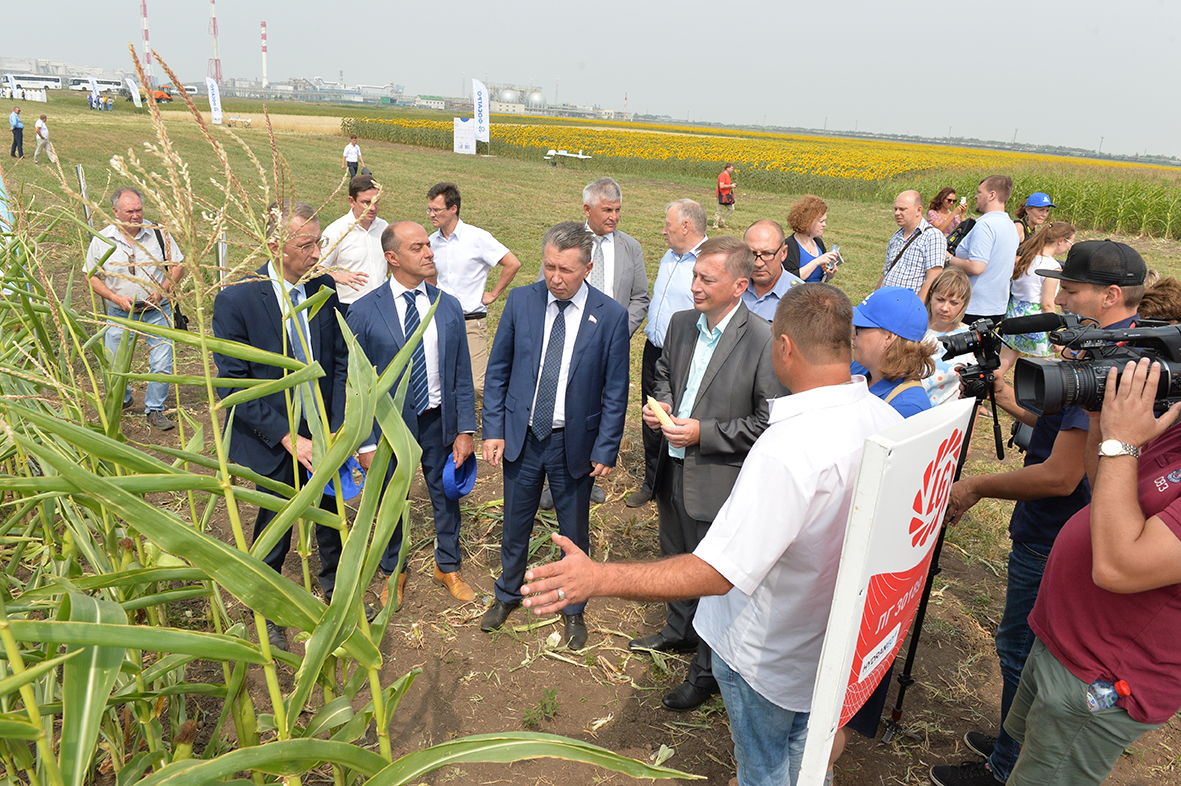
749, 354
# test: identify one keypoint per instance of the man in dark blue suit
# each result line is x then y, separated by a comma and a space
440, 405
259, 312
555, 396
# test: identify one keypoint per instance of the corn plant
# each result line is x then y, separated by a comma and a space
102, 537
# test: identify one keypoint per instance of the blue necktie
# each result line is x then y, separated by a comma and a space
547, 388
419, 389
295, 333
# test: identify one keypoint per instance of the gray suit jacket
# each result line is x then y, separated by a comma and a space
731, 403
630, 283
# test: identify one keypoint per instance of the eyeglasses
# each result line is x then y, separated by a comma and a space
431, 211
306, 247
767, 256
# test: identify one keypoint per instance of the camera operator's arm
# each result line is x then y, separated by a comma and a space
1057, 476
1130, 553
1006, 399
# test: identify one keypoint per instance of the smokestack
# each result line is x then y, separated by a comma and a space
265, 83
214, 70
143, 11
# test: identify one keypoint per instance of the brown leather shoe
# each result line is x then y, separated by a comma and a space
385, 590
460, 589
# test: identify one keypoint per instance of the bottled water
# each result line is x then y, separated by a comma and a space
1102, 695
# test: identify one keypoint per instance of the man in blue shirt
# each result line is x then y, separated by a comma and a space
988, 252
18, 133
769, 282
684, 231
1102, 281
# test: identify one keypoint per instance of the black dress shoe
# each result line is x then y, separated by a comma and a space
640, 497
496, 615
658, 642
598, 496
575, 631
686, 697
277, 636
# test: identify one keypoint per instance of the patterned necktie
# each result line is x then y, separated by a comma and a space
598, 267
295, 331
419, 391
547, 388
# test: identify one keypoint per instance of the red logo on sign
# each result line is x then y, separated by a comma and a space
931, 500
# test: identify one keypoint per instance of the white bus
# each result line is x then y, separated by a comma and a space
35, 81
104, 85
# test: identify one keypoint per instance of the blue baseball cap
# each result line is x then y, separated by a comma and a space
896, 309
348, 486
459, 481
1039, 199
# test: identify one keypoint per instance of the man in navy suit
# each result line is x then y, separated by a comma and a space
258, 311
555, 396
440, 405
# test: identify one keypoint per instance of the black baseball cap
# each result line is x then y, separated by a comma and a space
1103, 262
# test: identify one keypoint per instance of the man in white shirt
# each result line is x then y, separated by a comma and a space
765, 553
464, 254
43, 143
353, 243
989, 251
134, 267
352, 157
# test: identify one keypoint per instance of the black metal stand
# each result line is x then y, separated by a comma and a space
905, 679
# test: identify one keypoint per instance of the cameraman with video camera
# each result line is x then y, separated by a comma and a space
1101, 281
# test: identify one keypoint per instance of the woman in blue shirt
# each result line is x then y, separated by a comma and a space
806, 256
888, 348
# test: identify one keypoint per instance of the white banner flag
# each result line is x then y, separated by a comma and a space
131, 83
903, 485
214, 100
480, 107
93, 88
465, 136
11, 84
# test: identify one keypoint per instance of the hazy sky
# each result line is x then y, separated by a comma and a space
1062, 73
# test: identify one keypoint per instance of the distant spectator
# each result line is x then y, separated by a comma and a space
947, 300
725, 195
943, 213
43, 143
1031, 293
988, 252
806, 256
352, 157
915, 253
1032, 213
18, 133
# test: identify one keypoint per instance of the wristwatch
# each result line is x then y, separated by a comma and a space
1113, 447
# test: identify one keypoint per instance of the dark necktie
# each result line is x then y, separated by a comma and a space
547, 388
419, 389
295, 333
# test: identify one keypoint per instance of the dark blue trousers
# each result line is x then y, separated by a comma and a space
327, 539
446, 511
523, 479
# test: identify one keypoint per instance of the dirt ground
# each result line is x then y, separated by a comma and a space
522, 678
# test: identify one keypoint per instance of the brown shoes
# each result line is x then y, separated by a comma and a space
385, 590
460, 589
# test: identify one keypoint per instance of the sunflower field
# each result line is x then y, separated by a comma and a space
1104, 195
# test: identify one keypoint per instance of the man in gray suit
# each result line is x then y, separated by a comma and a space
713, 378
618, 270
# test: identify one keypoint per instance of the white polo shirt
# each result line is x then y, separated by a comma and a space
463, 260
778, 539
358, 250
352, 152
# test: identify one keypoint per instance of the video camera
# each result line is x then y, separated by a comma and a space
1047, 386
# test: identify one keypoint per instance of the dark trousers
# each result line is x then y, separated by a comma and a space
679, 534
327, 539
523, 478
18, 143
653, 439
446, 511
352, 169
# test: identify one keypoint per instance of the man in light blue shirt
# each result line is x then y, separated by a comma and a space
988, 252
769, 282
18, 132
684, 231
714, 378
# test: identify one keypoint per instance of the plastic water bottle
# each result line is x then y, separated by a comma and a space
1102, 695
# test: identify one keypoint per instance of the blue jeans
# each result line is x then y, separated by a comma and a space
159, 351
1027, 563
768, 740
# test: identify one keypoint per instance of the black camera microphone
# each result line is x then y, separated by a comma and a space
1036, 323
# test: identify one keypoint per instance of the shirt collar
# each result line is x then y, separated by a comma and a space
606, 238
398, 289
284, 286
579, 299
810, 401
713, 335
